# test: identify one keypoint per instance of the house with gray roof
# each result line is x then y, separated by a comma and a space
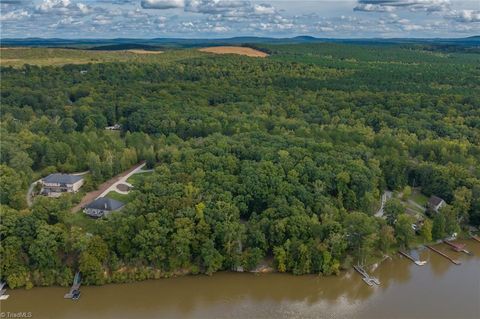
102, 206
55, 184
435, 203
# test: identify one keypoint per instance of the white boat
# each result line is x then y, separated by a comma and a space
4, 297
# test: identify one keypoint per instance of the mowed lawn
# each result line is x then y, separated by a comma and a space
419, 198
137, 179
124, 198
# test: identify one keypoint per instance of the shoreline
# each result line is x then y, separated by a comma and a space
156, 274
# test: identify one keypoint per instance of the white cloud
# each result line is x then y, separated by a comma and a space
223, 8
50, 5
263, 9
84, 8
162, 4
204, 18
67, 22
464, 15
392, 5
220, 29
369, 7
15, 15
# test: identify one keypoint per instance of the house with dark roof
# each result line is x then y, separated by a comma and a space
102, 207
55, 184
435, 203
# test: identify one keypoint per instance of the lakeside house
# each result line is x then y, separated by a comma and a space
435, 203
55, 184
102, 207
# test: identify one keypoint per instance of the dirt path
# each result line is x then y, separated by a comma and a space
386, 196
106, 186
29, 193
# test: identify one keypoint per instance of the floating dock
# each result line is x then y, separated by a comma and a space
369, 280
75, 289
417, 262
457, 247
456, 262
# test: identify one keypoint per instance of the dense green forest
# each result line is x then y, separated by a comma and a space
283, 158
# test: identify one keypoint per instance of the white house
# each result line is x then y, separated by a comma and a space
56, 184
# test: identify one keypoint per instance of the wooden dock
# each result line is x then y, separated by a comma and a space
456, 262
457, 247
369, 280
417, 262
75, 289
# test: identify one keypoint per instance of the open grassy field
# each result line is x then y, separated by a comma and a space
235, 50
138, 51
136, 179
18, 57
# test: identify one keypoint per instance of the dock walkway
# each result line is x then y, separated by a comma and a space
456, 262
417, 262
369, 280
75, 289
457, 247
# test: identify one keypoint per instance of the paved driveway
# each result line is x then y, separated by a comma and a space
107, 186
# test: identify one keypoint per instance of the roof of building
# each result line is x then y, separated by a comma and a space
434, 201
105, 203
62, 178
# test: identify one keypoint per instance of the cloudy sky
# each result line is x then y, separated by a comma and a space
226, 18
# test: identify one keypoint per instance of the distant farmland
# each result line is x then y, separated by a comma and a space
235, 50
18, 57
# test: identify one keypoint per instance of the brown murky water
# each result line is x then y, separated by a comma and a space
439, 289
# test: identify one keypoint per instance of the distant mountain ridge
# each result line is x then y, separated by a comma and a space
186, 42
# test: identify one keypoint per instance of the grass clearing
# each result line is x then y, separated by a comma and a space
79, 219
17, 57
419, 198
124, 198
235, 50
138, 178
139, 51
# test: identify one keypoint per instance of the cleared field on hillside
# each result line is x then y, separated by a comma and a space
17, 57
139, 51
235, 50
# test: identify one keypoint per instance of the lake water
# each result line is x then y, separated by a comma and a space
439, 289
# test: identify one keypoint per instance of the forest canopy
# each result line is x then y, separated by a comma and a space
283, 158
